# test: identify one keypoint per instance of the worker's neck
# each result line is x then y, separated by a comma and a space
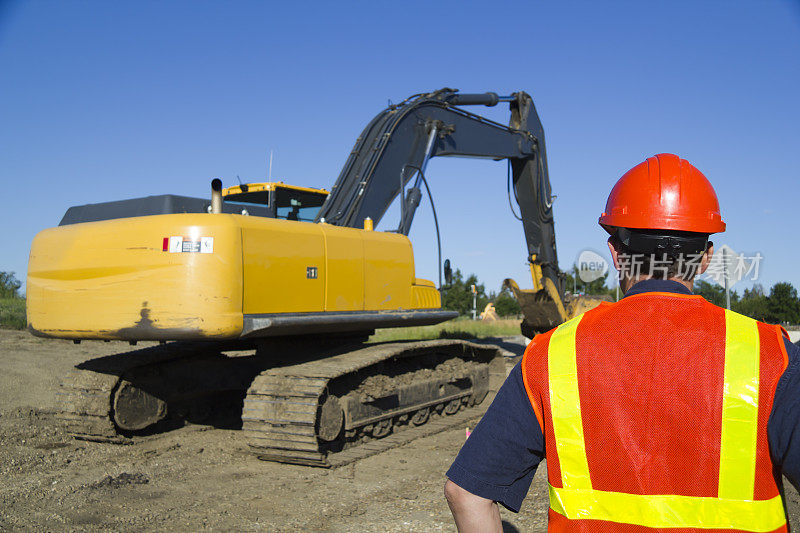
627, 283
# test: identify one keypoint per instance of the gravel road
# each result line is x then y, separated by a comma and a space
203, 478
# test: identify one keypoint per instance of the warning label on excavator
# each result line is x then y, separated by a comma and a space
176, 244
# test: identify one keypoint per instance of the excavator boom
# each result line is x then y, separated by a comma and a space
397, 145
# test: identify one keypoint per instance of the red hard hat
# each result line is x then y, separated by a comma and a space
663, 193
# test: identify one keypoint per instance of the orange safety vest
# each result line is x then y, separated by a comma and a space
654, 411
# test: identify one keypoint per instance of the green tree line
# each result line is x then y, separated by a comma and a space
599, 287
9, 285
781, 305
12, 304
458, 297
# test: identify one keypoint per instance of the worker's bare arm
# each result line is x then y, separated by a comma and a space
472, 513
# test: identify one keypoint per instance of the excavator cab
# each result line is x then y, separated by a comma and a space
289, 202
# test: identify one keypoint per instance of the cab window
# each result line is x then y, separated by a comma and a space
292, 204
248, 198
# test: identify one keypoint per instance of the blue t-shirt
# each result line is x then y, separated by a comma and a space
500, 457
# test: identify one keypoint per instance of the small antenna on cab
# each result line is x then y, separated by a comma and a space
242, 187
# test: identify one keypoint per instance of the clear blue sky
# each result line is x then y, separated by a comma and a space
104, 100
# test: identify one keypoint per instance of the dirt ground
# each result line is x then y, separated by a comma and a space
203, 478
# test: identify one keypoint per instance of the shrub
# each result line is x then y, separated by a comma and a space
9, 285
12, 313
783, 304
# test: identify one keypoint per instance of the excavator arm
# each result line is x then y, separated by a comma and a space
397, 144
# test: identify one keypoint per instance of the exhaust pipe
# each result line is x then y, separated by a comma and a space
216, 195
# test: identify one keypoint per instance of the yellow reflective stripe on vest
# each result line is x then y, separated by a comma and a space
734, 508
567, 423
737, 462
668, 511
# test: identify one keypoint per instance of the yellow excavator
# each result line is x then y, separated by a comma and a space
302, 276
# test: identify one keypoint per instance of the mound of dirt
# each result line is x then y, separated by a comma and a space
381, 385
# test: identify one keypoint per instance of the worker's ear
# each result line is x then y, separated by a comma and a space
709, 253
614, 252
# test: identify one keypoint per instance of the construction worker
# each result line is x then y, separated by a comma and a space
659, 411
